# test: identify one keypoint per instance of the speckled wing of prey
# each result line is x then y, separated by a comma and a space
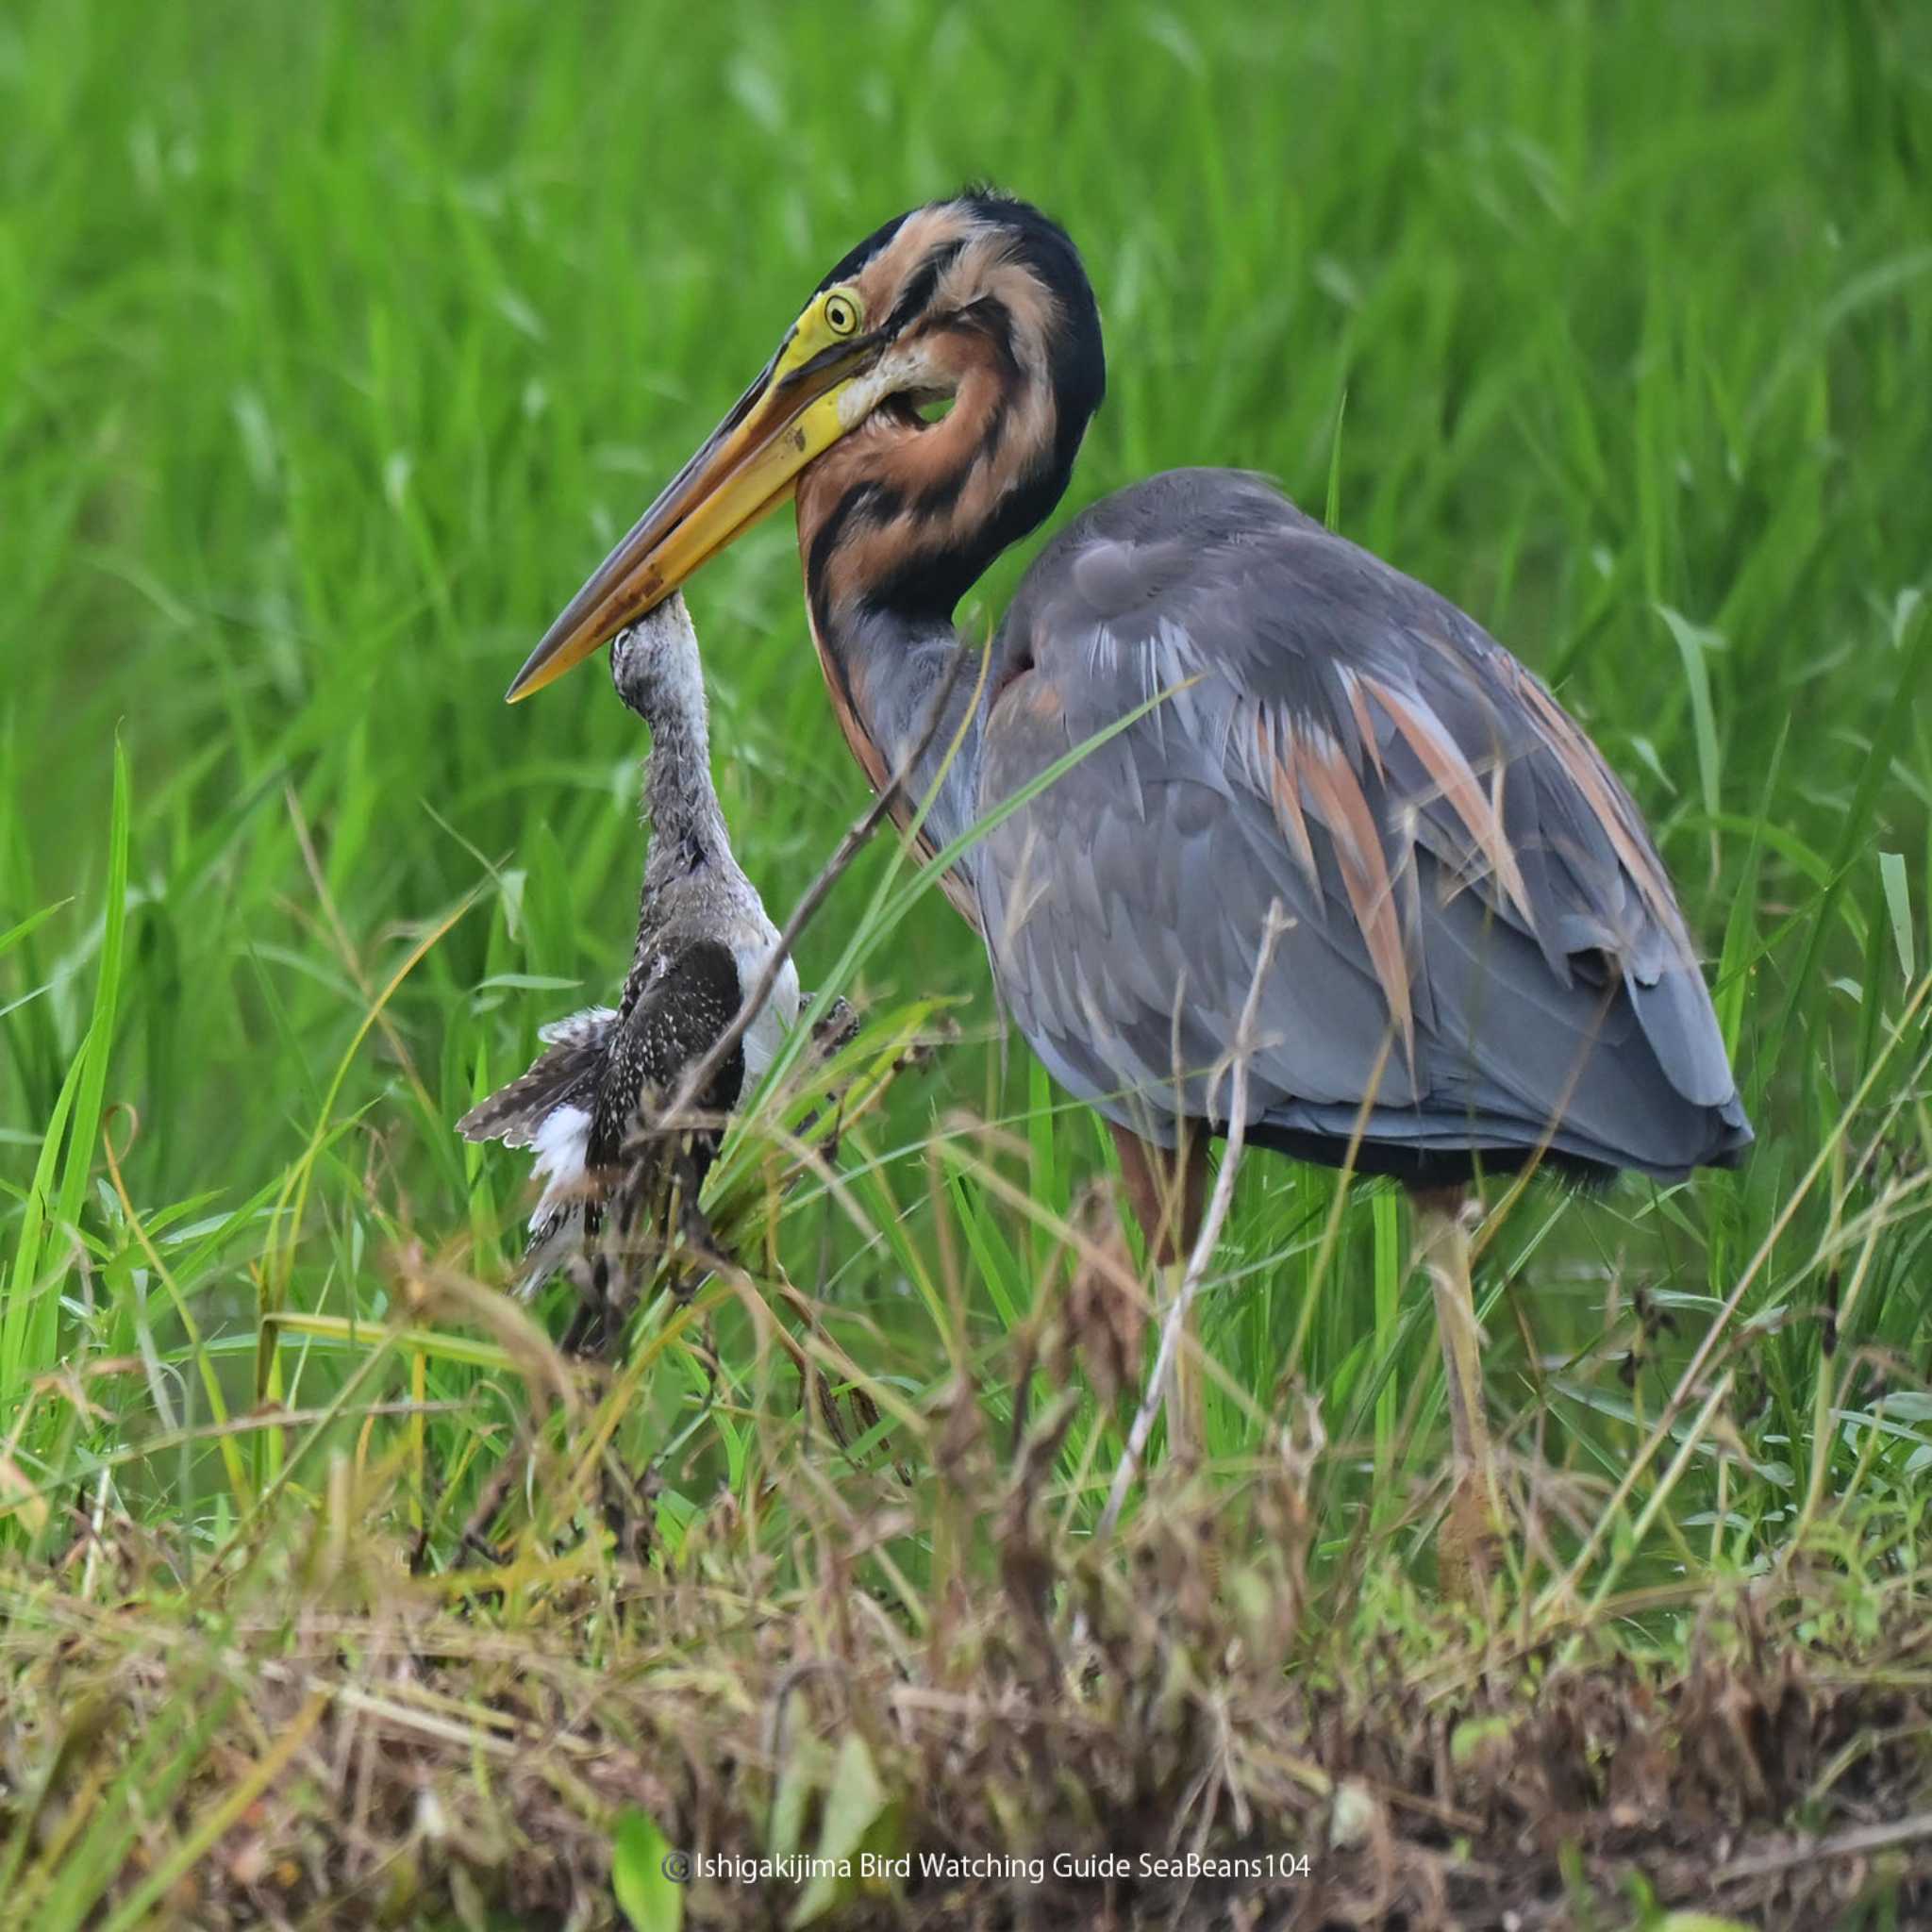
565, 1074
588, 1107
549, 1109
1485, 957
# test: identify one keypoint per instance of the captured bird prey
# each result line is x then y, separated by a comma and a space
1477, 962
704, 938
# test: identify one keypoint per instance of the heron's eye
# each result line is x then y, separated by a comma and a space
841, 313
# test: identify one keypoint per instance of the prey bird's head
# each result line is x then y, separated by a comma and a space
980, 303
654, 664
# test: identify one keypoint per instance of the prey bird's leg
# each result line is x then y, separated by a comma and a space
1442, 1245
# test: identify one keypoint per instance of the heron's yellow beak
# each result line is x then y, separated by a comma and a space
809, 395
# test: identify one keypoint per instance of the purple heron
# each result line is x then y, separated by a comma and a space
1483, 965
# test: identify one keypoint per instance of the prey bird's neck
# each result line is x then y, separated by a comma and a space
690, 861
687, 826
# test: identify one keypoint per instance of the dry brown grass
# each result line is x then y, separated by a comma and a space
310, 1734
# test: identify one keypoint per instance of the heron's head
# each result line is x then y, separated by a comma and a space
924, 408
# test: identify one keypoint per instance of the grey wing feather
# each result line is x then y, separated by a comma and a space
565, 1074
1484, 942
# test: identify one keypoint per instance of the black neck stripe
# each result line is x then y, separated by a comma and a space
920, 285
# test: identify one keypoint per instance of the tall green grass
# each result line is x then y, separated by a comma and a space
335, 345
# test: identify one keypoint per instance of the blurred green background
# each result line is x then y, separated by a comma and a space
337, 344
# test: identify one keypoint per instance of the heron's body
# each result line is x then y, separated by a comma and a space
1483, 964
703, 939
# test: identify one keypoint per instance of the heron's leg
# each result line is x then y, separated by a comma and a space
1168, 1191
1442, 1248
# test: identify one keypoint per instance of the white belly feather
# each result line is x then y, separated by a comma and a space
776, 1018
561, 1146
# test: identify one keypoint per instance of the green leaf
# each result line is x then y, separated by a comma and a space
1473, 1735
804, 1766
1331, 515
855, 1801
16, 1362
651, 1900
1696, 1922
1693, 641
29, 1322
1898, 902
98, 1047
858, 1798
14, 934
